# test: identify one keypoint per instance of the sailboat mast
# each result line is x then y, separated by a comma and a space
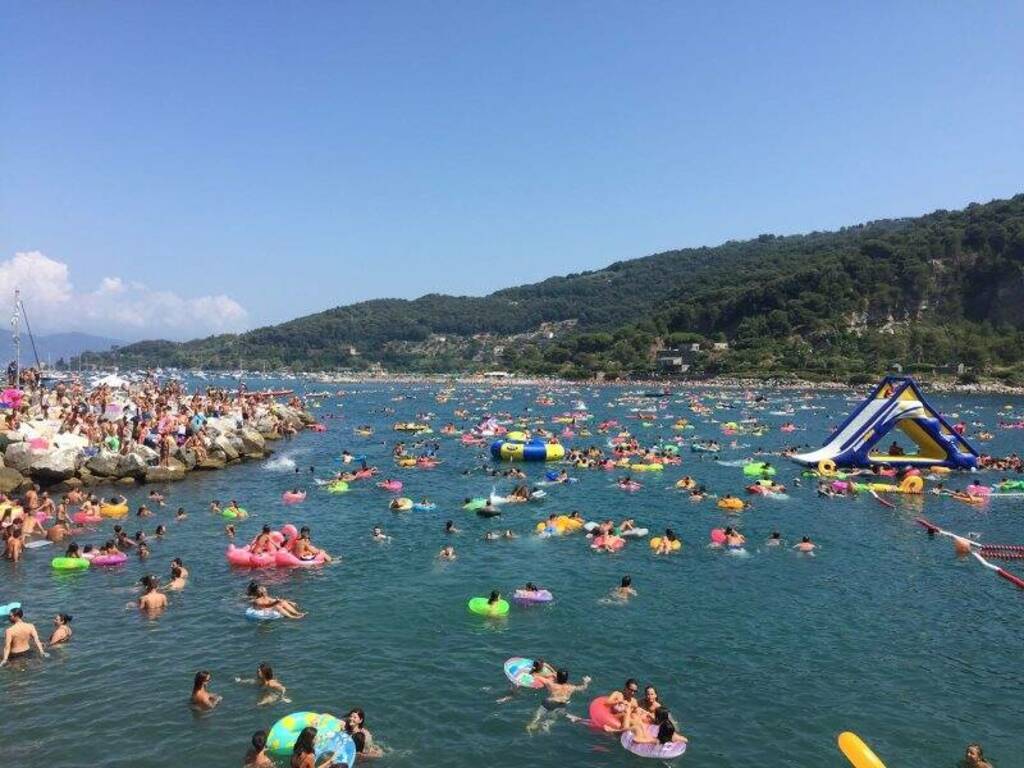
16, 337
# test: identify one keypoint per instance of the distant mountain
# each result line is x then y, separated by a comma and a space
928, 291
52, 347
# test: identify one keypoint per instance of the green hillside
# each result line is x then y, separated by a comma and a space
935, 290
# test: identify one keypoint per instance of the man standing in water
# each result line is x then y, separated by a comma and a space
19, 637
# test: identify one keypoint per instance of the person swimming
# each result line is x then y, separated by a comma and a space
201, 698
256, 756
560, 691
19, 638
638, 725
775, 540
447, 552
262, 600
271, 688
625, 589
153, 601
622, 703
805, 546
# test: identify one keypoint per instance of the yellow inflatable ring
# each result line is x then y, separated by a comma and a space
732, 503
656, 542
826, 467
912, 484
113, 510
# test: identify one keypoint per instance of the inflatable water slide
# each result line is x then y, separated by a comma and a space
895, 403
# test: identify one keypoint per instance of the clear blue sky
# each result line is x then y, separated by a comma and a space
297, 156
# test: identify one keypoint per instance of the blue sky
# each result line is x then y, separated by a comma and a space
176, 168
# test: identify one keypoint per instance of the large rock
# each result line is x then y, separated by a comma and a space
131, 465
226, 445
8, 437
267, 426
89, 479
105, 463
253, 443
175, 471
212, 461
287, 415
11, 480
147, 454
186, 457
19, 456
56, 465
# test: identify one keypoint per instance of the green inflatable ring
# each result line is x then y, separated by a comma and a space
474, 504
481, 607
758, 468
69, 563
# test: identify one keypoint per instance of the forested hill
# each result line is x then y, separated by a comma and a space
935, 290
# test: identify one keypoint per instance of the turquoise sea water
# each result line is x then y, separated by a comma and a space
763, 659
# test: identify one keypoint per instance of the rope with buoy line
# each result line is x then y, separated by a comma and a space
967, 546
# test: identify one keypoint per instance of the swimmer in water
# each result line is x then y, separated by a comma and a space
625, 589
974, 757
304, 549
61, 629
180, 515
202, 699
447, 552
153, 601
650, 705
806, 546
230, 531
261, 600
665, 546
449, 527
638, 725
236, 510
492, 536
734, 539
508, 534
256, 756
775, 540
156, 498
560, 691
271, 688
184, 571
19, 638
355, 726
378, 534
177, 582
622, 704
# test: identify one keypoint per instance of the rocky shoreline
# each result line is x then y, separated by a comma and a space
62, 469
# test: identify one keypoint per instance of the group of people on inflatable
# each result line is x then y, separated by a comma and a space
287, 548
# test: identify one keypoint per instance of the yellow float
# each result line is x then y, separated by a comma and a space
857, 752
731, 503
826, 467
113, 510
675, 545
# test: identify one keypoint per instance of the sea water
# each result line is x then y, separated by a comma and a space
762, 659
